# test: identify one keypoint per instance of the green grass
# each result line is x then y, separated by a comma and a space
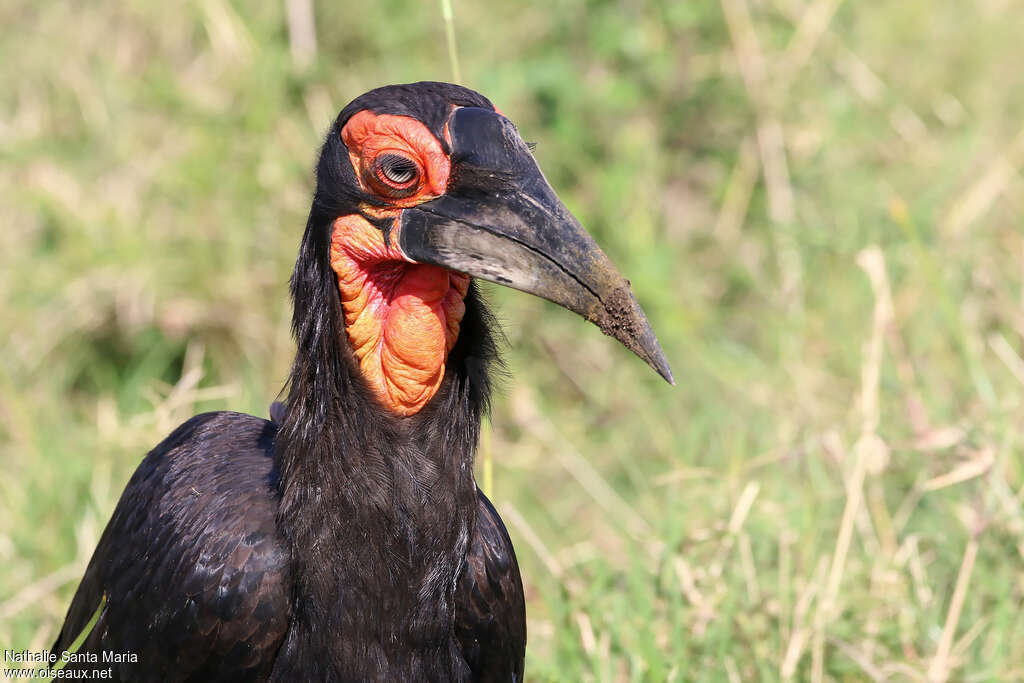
837, 457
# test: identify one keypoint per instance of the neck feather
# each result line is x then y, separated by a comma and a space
375, 508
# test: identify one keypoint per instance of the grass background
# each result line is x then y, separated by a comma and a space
819, 205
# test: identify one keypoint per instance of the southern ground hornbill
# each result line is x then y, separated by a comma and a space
346, 539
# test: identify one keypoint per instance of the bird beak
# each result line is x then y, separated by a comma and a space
500, 221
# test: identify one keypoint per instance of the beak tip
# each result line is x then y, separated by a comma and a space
659, 364
623, 319
667, 375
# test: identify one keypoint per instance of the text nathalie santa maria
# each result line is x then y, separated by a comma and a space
47, 657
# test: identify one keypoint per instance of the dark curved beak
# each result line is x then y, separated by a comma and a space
500, 221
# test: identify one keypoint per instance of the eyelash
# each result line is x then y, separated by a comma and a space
395, 175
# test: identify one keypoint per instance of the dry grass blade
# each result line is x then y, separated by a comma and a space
770, 142
301, 31
813, 24
860, 77
510, 513
743, 505
688, 586
681, 475
587, 638
872, 261
801, 630
574, 463
731, 671
230, 40
738, 192
449, 29
749, 570
940, 668
860, 659
1011, 360
868, 449
979, 464
977, 199
770, 138
687, 583
961, 646
37, 589
735, 526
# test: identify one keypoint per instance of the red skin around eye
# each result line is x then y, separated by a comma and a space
401, 318
367, 135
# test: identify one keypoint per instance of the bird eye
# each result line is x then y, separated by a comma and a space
397, 171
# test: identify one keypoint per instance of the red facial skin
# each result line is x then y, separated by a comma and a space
402, 318
368, 135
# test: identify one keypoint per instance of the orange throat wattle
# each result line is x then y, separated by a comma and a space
402, 318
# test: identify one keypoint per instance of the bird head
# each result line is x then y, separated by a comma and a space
421, 187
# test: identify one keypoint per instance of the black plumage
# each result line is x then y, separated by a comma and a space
221, 565
340, 541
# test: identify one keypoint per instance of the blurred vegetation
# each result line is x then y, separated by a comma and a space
818, 204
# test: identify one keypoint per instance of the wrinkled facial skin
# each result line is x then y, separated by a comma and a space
402, 318
372, 137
